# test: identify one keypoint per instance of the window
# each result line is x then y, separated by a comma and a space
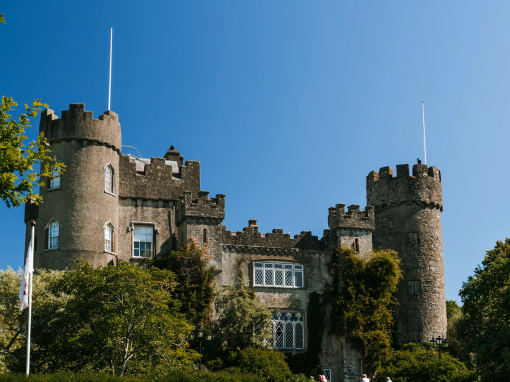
412, 239
327, 373
142, 241
108, 238
55, 182
278, 275
413, 287
108, 179
356, 245
204, 236
288, 330
414, 337
53, 235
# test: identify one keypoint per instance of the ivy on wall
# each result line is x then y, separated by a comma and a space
196, 280
362, 295
308, 362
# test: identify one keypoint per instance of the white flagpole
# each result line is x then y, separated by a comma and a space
110, 86
424, 145
30, 303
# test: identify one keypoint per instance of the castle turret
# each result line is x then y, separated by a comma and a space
408, 221
81, 204
201, 219
352, 229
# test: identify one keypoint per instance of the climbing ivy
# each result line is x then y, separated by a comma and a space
362, 295
308, 363
196, 280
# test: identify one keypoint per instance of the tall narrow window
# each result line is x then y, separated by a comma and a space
356, 245
327, 373
204, 236
412, 239
413, 287
55, 182
108, 238
142, 241
53, 235
108, 179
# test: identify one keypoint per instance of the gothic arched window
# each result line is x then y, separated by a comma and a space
109, 238
108, 179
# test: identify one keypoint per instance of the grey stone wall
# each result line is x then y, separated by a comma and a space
412, 204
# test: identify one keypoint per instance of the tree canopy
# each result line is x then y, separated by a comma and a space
104, 319
485, 323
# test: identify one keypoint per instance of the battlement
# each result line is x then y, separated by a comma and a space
202, 207
250, 236
424, 186
155, 179
353, 218
76, 123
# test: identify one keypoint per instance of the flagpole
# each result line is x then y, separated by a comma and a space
30, 302
110, 85
424, 145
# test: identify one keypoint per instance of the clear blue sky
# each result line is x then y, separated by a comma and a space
288, 105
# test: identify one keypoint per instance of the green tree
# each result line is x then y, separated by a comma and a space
419, 362
19, 159
195, 288
362, 296
485, 323
13, 323
457, 347
243, 321
118, 319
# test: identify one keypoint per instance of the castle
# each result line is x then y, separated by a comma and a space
108, 207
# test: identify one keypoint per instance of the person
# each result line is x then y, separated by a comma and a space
388, 379
364, 378
322, 378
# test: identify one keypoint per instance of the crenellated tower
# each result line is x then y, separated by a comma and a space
408, 221
352, 229
77, 200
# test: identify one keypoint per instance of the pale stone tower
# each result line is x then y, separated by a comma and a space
408, 221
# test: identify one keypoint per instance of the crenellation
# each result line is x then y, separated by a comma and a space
353, 218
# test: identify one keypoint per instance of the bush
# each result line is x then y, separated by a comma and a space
173, 376
419, 362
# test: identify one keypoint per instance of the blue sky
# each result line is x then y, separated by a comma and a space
288, 105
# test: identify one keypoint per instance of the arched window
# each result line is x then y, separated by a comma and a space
53, 235
55, 182
109, 238
288, 330
108, 179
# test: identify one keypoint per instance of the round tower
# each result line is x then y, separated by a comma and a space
80, 209
408, 221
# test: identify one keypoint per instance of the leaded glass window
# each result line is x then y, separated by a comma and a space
288, 330
412, 239
55, 182
278, 275
327, 373
413, 287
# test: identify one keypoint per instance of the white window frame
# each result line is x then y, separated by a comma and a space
327, 373
54, 225
136, 228
109, 178
109, 232
288, 321
275, 270
55, 182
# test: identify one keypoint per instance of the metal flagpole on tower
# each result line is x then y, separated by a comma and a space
424, 144
29, 267
110, 85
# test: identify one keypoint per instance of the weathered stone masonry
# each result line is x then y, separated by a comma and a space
403, 213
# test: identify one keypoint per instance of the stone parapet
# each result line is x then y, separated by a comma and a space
200, 208
353, 218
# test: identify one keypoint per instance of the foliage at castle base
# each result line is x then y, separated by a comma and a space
18, 159
362, 296
195, 280
420, 362
13, 323
242, 320
456, 347
485, 323
116, 319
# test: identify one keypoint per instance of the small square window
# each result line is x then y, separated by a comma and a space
412, 239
